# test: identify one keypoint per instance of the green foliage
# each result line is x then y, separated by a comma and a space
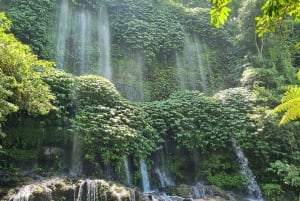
146, 25
220, 12
20, 70
184, 116
228, 181
32, 24
290, 105
273, 192
62, 87
196, 121
274, 12
109, 126
288, 172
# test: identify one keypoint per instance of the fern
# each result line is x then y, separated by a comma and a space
290, 105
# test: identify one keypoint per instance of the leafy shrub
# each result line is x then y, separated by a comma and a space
109, 126
228, 181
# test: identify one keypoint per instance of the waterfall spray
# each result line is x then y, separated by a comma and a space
145, 177
253, 189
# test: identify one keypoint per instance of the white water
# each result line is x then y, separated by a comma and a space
92, 190
83, 41
191, 71
163, 178
63, 32
27, 191
104, 44
127, 171
130, 76
253, 189
145, 177
84, 27
76, 163
23, 194
198, 191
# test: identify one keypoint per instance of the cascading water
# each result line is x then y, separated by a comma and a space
76, 163
191, 71
78, 53
23, 194
91, 190
130, 77
63, 32
77, 50
145, 177
26, 192
84, 23
104, 44
253, 189
198, 191
127, 171
163, 178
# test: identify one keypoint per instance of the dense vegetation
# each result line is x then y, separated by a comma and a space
45, 107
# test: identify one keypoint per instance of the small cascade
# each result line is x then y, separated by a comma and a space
76, 163
127, 171
92, 190
129, 76
132, 195
198, 191
191, 71
145, 177
83, 40
63, 32
203, 79
104, 44
23, 194
84, 23
163, 178
26, 192
253, 189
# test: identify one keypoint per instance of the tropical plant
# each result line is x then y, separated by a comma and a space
109, 126
290, 104
20, 70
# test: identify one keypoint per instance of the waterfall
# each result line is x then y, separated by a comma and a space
203, 80
27, 191
84, 27
145, 177
163, 178
83, 41
253, 189
104, 44
23, 194
76, 163
191, 70
63, 31
198, 191
130, 76
127, 171
91, 190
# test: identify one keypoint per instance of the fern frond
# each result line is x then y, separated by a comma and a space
291, 109
292, 93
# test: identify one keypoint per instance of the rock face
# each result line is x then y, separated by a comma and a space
66, 189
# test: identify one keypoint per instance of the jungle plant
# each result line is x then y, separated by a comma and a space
20, 70
109, 126
290, 104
